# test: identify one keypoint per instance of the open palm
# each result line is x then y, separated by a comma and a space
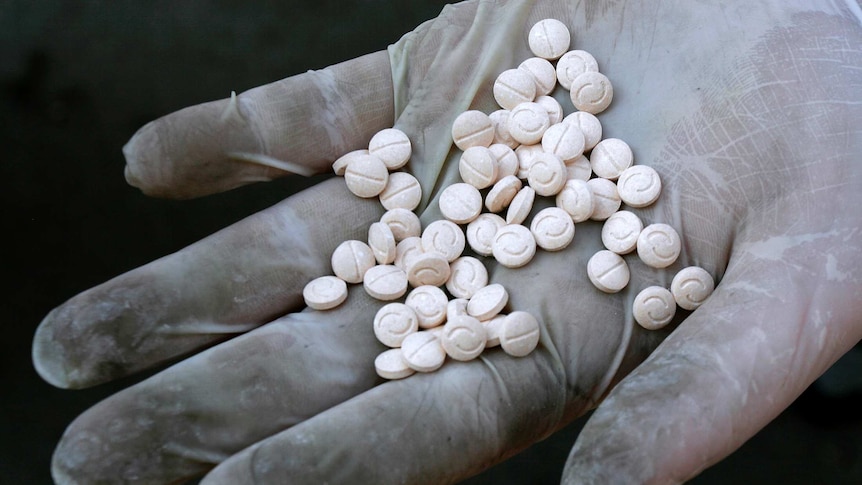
750, 114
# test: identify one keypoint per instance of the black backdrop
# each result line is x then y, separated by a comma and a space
78, 78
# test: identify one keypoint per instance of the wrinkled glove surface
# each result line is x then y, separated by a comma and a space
749, 112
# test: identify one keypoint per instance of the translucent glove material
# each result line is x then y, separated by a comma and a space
750, 115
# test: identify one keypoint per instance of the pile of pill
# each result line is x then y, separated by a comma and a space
524, 150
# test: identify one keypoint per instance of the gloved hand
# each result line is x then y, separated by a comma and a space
749, 112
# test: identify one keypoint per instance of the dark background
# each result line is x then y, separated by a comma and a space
77, 78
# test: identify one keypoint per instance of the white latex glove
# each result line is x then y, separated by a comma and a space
749, 111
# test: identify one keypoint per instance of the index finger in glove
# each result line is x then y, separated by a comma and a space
228, 283
296, 125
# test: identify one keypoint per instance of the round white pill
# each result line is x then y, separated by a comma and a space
463, 338
501, 195
500, 120
460, 203
553, 107
552, 228
578, 168
390, 364
468, 275
592, 92
471, 129
520, 334
610, 157
543, 74
428, 268
392, 147
488, 301
324, 293
444, 238
606, 200
366, 176
351, 259
572, 64
456, 307
403, 223
423, 352
513, 87
340, 164
590, 126
429, 303
547, 174
691, 287
385, 282
659, 245
402, 192
494, 327
653, 307
526, 154
608, 271
406, 250
478, 167
620, 232
564, 140
521, 206
382, 243
639, 186
393, 322
528, 122
549, 39
507, 160
576, 199
481, 232
514, 246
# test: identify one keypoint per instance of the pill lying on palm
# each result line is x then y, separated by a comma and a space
620, 232
478, 167
463, 338
513, 87
390, 364
366, 176
423, 352
392, 147
519, 334
488, 302
351, 259
552, 229
472, 129
608, 271
549, 39
385, 282
572, 64
460, 203
639, 186
691, 287
394, 322
324, 293
658, 245
654, 307
402, 191
429, 303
